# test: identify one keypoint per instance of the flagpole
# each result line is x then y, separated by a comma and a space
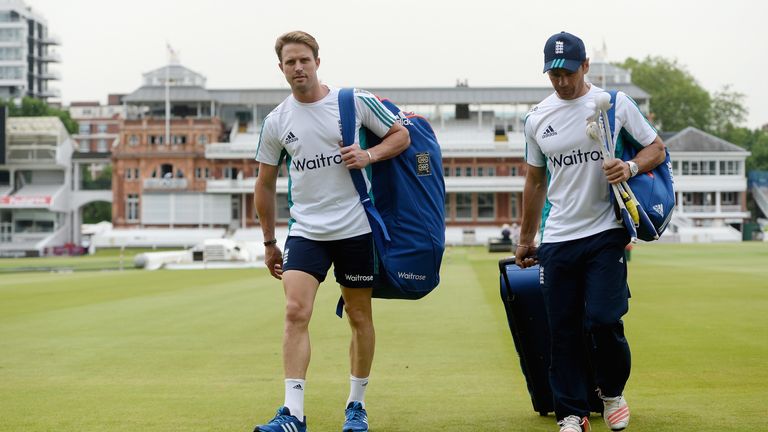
168, 103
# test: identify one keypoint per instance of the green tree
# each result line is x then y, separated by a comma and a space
728, 111
103, 180
677, 100
31, 107
758, 160
756, 141
96, 212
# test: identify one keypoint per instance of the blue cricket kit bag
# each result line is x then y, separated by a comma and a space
654, 190
406, 206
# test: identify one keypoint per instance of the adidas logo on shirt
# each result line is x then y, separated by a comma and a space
548, 132
290, 138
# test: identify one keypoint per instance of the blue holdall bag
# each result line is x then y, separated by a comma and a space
654, 190
406, 206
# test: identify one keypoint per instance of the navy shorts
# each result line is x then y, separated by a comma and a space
352, 259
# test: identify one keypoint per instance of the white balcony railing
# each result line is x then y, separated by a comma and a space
484, 184
51, 93
705, 212
452, 184
725, 208
699, 208
32, 154
231, 150
51, 40
230, 186
51, 57
165, 184
710, 183
50, 75
730, 208
245, 185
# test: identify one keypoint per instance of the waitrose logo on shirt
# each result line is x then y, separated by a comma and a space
319, 161
576, 157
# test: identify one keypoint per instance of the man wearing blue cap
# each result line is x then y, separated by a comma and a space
582, 273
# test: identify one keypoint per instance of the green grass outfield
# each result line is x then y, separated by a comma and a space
104, 259
200, 350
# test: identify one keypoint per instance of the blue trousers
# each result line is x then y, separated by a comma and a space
585, 289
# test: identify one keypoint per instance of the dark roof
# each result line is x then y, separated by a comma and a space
92, 155
691, 139
665, 136
401, 95
173, 70
421, 95
84, 104
177, 93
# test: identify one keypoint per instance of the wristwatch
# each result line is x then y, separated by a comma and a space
270, 242
632, 169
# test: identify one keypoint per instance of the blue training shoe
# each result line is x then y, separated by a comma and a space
283, 422
356, 418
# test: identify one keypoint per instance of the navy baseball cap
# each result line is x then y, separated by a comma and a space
564, 51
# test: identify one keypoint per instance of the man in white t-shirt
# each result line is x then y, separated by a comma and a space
583, 273
327, 222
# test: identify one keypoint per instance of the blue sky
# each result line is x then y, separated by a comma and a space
108, 44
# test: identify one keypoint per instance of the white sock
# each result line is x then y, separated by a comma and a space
357, 388
294, 397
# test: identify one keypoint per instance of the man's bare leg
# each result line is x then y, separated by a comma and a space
357, 305
300, 291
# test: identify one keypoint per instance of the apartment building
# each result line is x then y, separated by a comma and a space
27, 52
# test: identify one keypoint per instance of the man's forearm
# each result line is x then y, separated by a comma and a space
392, 145
530, 225
533, 201
264, 198
651, 156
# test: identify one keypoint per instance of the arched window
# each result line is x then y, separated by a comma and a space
166, 171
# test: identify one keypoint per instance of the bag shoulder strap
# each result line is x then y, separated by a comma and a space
348, 123
347, 116
612, 123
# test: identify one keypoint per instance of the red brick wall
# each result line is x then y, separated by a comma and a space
150, 157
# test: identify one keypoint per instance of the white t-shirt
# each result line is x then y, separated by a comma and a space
577, 203
323, 202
